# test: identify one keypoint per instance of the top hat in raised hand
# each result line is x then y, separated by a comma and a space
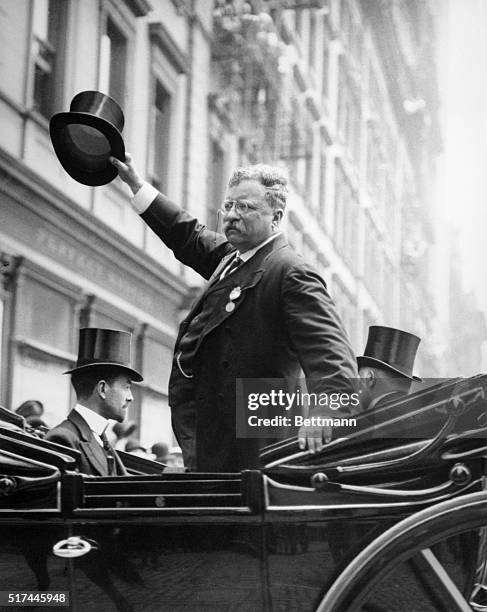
85, 137
105, 347
391, 349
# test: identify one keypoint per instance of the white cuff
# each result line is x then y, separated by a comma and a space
144, 198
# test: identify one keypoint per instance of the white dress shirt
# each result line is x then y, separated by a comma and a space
247, 255
251, 252
144, 198
95, 421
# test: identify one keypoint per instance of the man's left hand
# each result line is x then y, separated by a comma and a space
314, 437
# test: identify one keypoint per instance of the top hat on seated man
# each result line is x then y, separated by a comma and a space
85, 137
105, 347
390, 349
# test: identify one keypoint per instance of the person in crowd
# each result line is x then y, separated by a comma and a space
160, 450
37, 426
265, 313
102, 380
134, 447
121, 432
386, 367
175, 458
30, 408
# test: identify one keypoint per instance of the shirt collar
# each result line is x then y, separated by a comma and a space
95, 421
248, 254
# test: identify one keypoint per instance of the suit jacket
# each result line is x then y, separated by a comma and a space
283, 320
75, 433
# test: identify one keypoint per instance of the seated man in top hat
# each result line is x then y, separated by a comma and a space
102, 381
386, 368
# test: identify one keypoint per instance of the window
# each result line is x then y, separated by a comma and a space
343, 102
48, 26
113, 60
216, 184
376, 166
351, 32
295, 139
46, 316
299, 151
322, 192
326, 64
165, 155
312, 40
373, 261
345, 232
43, 341
340, 203
308, 183
159, 130
349, 113
298, 23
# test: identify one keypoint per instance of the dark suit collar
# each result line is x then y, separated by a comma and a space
249, 267
276, 243
248, 274
219, 269
246, 277
96, 422
263, 253
94, 453
82, 426
249, 254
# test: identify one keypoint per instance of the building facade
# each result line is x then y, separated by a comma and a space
345, 95
340, 92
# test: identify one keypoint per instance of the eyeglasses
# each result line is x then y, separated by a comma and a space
242, 207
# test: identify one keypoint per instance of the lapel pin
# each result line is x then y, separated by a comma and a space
235, 293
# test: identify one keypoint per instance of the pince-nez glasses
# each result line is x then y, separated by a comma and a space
242, 207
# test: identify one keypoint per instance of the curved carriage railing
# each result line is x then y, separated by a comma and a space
422, 449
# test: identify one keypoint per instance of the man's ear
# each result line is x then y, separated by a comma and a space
371, 378
101, 389
277, 217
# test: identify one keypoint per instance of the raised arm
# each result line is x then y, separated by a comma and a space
191, 242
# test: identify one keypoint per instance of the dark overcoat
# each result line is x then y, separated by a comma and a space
283, 320
74, 432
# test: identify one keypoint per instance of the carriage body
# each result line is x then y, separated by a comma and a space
272, 539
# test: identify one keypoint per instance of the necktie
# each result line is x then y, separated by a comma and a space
234, 264
109, 454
